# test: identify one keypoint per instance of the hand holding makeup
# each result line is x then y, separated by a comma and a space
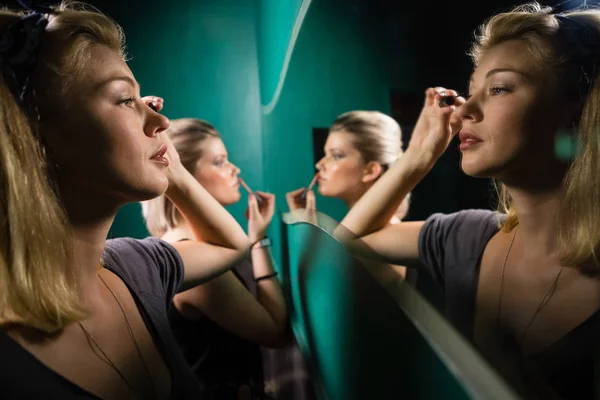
310, 186
155, 103
250, 192
259, 214
301, 198
436, 125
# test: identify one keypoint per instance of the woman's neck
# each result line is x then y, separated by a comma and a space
352, 198
538, 219
88, 241
90, 217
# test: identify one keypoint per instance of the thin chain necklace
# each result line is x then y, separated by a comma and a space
131, 335
542, 304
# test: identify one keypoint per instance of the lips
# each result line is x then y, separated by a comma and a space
467, 137
468, 140
159, 156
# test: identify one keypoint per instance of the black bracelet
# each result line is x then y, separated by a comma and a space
260, 278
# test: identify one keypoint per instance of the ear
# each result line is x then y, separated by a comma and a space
372, 171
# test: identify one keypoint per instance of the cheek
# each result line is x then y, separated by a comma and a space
212, 178
508, 126
344, 175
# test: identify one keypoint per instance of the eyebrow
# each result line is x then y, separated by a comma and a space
498, 70
122, 78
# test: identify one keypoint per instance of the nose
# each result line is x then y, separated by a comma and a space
155, 123
320, 164
235, 170
470, 110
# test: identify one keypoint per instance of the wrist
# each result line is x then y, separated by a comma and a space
418, 160
265, 242
179, 180
256, 237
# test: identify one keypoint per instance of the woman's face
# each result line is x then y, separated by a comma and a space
218, 176
105, 143
342, 172
510, 121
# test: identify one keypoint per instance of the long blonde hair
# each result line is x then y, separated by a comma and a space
38, 285
187, 136
377, 137
540, 30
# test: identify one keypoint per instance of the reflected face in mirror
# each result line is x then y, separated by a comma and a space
510, 120
216, 173
342, 170
102, 136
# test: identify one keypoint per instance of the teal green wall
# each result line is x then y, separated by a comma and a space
334, 68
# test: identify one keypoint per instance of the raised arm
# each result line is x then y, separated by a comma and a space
433, 132
220, 240
225, 300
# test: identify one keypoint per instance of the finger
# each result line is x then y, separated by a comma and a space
311, 201
264, 195
455, 123
253, 206
429, 97
449, 92
158, 105
449, 98
459, 101
267, 198
268, 210
446, 123
432, 94
290, 202
295, 193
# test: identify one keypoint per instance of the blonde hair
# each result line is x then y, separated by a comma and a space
377, 137
188, 136
579, 216
38, 285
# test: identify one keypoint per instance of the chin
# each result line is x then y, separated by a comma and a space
144, 189
229, 200
322, 191
149, 193
477, 170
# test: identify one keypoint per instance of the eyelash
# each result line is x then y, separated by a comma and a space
128, 101
493, 90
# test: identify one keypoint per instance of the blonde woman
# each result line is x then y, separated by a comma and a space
82, 317
520, 283
360, 147
220, 324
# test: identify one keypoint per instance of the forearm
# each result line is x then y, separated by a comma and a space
377, 206
269, 293
209, 221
